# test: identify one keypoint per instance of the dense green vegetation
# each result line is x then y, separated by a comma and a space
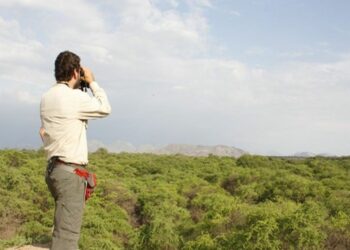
150, 202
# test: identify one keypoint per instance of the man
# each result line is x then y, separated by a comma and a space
65, 110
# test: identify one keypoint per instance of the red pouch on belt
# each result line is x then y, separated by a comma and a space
90, 180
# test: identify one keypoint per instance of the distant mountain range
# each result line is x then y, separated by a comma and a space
185, 149
200, 150
310, 154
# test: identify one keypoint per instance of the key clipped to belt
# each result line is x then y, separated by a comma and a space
51, 164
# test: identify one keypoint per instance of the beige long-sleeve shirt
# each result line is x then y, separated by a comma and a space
64, 114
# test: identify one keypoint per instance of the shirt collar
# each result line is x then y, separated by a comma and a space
63, 82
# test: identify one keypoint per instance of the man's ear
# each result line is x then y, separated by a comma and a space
75, 74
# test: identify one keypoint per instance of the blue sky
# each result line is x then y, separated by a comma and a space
270, 77
281, 30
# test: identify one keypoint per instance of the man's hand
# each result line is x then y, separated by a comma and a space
88, 75
42, 133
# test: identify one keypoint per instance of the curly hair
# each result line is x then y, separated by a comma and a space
65, 64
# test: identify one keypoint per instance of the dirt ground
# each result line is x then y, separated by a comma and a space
29, 248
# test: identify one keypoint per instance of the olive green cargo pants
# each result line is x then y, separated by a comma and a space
68, 190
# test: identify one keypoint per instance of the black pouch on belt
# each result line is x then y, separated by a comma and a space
51, 164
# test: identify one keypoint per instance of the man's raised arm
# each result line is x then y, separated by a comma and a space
96, 106
93, 107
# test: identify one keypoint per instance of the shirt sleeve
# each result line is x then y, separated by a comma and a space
92, 107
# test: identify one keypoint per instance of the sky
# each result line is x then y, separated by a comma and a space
266, 76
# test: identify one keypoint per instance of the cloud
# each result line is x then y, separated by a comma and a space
20, 63
234, 13
75, 11
165, 85
14, 46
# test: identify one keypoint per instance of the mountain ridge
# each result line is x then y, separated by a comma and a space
173, 148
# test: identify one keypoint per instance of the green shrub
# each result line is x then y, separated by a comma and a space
147, 201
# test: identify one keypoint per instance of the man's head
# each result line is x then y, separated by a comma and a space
67, 67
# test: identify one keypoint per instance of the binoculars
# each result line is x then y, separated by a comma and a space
84, 85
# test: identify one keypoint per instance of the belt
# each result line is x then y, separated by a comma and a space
82, 172
71, 163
